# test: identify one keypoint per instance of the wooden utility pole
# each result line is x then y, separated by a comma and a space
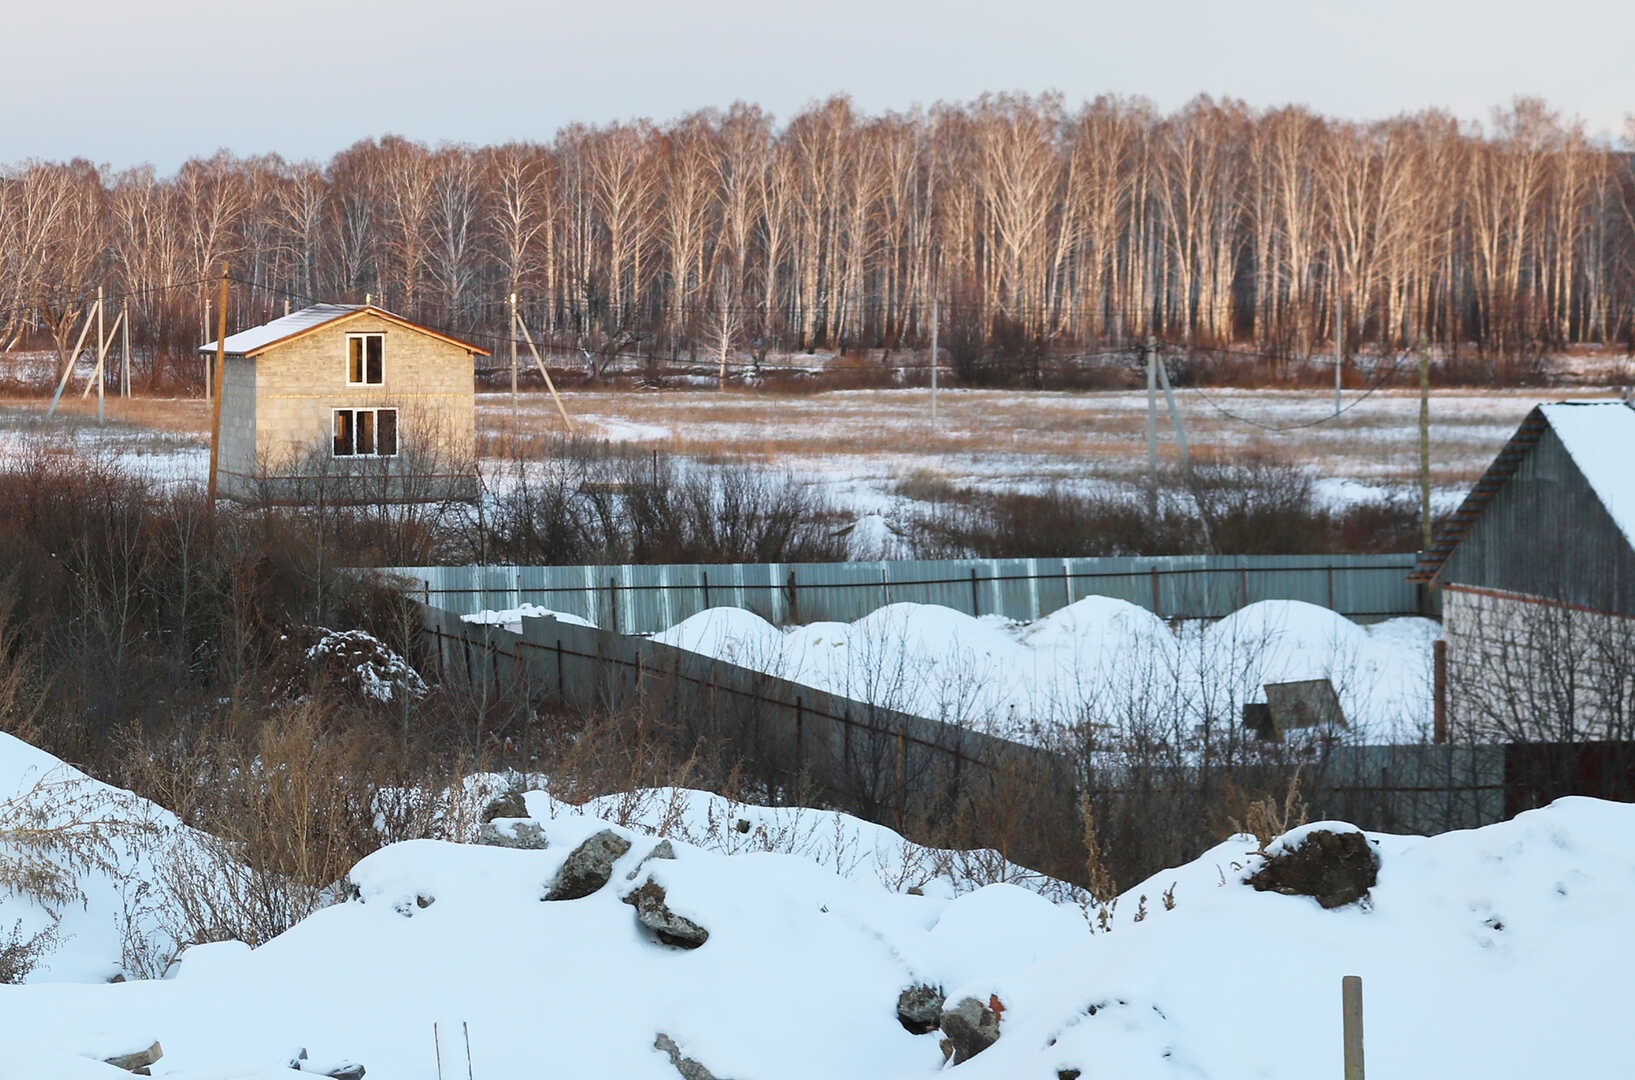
209, 394
933, 362
1351, 1014
105, 344
215, 406
1424, 451
513, 337
102, 354
68, 370
545, 374
1186, 450
1339, 343
125, 349
1149, 350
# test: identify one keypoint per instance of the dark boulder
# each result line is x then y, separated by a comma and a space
588, 867
1333, 868
919, 1008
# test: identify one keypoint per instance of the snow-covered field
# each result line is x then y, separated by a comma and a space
1501, 951
1101, 662
858, 445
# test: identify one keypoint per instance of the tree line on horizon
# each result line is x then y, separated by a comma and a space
1216, 225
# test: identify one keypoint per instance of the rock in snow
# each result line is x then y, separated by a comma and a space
588, 867
969, 1028
513, 833
919, 1008
686, 1066
648, 899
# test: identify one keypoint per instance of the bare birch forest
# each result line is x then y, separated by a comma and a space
1069, 228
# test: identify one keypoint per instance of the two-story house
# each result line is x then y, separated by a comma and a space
346, 402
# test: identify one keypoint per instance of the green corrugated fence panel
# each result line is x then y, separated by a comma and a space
645, 599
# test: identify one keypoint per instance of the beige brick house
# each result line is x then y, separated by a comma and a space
346, 402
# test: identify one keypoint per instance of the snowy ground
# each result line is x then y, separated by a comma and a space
1501, 951
1100, 661
867, 450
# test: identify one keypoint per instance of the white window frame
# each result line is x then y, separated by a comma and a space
397, 430
346, 360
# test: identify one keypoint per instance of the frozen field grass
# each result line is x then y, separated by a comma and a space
868, 440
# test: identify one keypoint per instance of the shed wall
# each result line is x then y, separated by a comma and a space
1545, 533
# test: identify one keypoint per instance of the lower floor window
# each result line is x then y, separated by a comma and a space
365, 432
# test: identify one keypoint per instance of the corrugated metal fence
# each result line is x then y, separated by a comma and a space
646, 599
883, 765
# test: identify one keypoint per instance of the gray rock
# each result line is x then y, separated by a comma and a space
971, 1027
510, 804
588, 867
919, 1008
346, 1070
672, 929
519, 834
661, 850
1333, 868
137, 1059
689, 1068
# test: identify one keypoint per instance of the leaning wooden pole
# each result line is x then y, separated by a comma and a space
215, 406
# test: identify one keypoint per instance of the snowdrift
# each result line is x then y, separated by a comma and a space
802, 968
1099, 661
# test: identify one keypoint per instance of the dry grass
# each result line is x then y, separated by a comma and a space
1029, 435
182, 416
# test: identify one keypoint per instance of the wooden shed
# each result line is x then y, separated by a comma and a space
1537, 572
346, 402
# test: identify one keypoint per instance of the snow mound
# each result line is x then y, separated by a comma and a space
802, 968
1098, 661
799, 977
1457, 930
121, 843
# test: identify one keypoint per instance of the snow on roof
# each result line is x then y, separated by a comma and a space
258, 337
1600, 438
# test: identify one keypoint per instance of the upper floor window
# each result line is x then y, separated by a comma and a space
365, 359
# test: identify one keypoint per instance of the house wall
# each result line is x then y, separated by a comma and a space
297, 386
237, 461
1526, 669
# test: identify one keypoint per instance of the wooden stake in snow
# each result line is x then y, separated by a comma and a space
215, 407
1352, 1017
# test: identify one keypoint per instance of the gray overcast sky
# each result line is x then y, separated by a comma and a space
127, 83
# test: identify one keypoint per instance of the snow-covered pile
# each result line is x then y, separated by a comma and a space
361, 663
1100, 661
801, 970
112, 846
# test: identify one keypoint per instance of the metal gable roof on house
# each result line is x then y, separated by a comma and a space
1599, 437
259, 339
